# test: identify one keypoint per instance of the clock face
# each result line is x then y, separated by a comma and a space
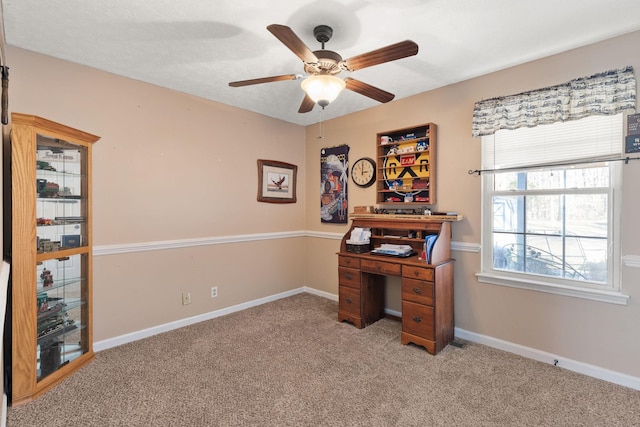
363, 172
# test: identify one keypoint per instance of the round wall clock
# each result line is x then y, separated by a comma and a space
363, 172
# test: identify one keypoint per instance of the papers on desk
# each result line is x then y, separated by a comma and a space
360, 235
394, 250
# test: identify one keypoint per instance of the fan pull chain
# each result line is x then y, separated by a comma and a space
321, 122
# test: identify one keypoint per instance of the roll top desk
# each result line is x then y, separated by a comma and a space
427, 287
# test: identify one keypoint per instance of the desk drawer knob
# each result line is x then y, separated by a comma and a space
348, 300
348, 276
417, 291
416, 273
417, 319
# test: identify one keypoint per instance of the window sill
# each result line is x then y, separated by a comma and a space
612, 297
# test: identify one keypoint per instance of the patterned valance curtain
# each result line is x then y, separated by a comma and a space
605, 93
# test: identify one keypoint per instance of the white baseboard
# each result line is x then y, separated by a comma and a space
559, 361
166, 327
327, 295
528, 352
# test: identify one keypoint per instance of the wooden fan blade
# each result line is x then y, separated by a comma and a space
368, 90
307, 105
293, 42
382, 55
263, 80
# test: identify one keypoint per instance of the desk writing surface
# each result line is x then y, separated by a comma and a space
414, 260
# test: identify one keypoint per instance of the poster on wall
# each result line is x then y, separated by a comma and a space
334, 167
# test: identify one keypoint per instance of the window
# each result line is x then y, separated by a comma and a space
550, 208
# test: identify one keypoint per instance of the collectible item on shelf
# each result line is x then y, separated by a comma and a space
71, 240
52, 320
68, 219
42, 301
47, 277
40, 164
46, 245
44, 221
49, 357
416, 211
46, 188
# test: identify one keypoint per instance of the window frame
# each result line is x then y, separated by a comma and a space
611, 292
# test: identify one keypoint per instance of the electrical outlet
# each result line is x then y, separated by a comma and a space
186, 298
214, 292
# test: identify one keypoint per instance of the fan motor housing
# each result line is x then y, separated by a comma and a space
328, 63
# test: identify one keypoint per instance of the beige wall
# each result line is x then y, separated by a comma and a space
170, 166
601, 334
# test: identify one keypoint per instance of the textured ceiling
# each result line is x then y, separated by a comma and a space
199, 46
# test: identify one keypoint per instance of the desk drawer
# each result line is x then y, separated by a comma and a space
381, 267
349, 301
417, 319
417, 291
419, 273
349, 277
347, 261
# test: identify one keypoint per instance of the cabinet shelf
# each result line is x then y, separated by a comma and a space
61, 199
62, 253
404, 141
54, 333
58, 223
64, 174
57, 284
388, 156
52, 311
401, 190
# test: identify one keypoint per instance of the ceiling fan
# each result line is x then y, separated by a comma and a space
323, 86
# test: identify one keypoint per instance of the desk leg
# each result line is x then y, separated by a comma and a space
372, 298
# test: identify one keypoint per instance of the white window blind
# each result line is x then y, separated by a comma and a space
593, 137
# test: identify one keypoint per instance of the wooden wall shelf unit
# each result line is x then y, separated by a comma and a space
407, 166
50, 246
427, 288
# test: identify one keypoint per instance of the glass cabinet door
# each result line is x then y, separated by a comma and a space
61, 205
62, 312
62, 253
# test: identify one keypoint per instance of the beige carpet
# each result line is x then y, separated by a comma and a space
290, 363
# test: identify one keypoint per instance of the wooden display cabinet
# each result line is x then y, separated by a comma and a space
406, 173
50, 248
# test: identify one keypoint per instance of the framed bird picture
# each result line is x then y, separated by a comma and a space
276, 181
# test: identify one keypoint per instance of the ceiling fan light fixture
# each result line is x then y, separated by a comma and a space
323, 88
